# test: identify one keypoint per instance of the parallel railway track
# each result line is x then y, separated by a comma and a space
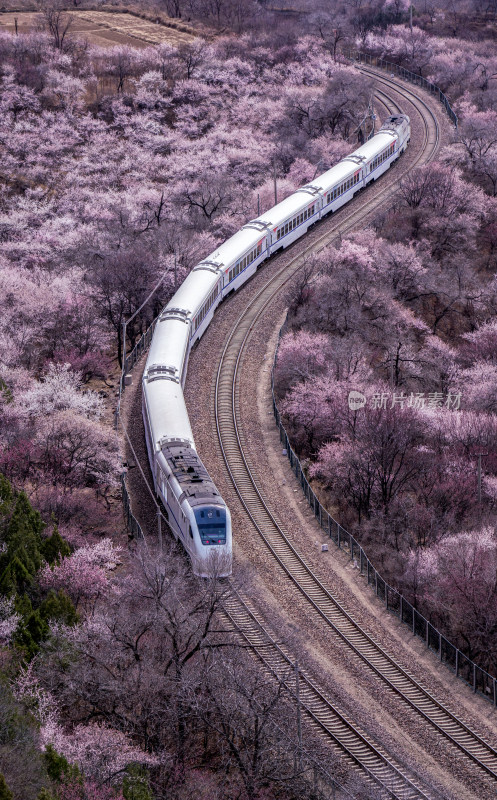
393, 779
376, 763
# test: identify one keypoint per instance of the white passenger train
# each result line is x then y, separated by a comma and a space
196, 512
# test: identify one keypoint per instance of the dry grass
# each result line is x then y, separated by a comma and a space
108, 29
132, 27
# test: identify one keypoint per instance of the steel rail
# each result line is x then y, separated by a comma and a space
330, 722
323, 601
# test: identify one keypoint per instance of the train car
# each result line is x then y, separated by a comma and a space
196, 512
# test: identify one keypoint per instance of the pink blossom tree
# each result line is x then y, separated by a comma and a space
84, 575
458, 584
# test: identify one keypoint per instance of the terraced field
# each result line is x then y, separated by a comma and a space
107, 29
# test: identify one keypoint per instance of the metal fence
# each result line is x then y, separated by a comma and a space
407, 75
142, 344
480, 681
132, 524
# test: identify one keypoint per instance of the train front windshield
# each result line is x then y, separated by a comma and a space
211, 522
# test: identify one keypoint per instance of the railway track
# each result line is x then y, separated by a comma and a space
393, 779
369, 756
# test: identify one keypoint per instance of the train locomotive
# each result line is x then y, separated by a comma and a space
196, 512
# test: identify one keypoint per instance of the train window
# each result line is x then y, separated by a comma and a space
259, 248
286, 227
211, 525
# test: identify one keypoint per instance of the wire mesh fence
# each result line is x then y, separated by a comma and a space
129, 361
132, 524
405, 74
480, 681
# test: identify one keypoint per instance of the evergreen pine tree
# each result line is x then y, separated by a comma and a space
5, 793
55, 547
136, 785
58, 767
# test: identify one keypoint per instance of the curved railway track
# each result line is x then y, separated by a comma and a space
373, 761
380, 769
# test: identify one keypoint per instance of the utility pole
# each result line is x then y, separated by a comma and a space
258, 204
124, 345
479, 478
274, 179
175, 267
410, 16
298, 762
159, 528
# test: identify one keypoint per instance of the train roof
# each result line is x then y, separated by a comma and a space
167, 412
169, 345
294, 204
195, 288
195, 482
350, 164
371, 148
236, 246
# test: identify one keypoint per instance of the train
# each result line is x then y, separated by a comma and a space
195, 510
